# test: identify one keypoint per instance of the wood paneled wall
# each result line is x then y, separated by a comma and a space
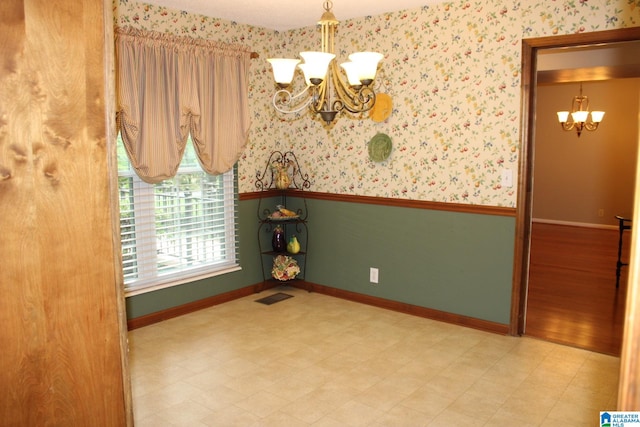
61, 319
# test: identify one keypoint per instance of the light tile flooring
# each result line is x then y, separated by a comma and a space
315, 360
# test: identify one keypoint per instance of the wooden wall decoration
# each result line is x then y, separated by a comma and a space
62, 351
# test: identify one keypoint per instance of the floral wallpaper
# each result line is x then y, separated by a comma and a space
452, 70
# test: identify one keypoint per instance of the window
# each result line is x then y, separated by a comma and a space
179, 230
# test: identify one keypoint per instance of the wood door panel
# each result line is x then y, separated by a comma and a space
61, 357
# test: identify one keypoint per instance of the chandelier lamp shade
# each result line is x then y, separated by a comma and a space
578, 119
328, 90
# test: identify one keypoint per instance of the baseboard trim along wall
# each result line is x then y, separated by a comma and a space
575, 224
170, 313
428, 313
401, 307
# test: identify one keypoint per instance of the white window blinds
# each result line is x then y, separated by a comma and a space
178, 230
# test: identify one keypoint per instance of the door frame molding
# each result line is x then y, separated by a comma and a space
524, 203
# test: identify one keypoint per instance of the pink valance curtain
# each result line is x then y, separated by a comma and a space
169, 87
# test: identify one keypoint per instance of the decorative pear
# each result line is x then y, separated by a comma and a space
293, 246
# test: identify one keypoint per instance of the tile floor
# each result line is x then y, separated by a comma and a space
315, 360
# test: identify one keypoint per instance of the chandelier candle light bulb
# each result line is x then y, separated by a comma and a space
367, 65
597, 116
315, 66
353, 73
283, 70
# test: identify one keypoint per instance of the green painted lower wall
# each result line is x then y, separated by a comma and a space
454, 262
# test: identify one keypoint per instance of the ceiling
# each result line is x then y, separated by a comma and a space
285, 15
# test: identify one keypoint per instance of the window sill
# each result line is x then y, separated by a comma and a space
181, 281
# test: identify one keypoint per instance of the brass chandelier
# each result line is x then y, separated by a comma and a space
326, 92
579, 115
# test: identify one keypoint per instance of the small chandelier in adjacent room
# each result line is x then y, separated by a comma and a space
327, 91
580, 115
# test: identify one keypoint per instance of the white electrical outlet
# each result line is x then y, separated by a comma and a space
373, 275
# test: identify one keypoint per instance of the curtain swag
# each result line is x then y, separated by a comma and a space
169, 87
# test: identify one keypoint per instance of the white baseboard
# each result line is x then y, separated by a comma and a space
575, 224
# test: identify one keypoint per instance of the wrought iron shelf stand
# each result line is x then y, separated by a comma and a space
267, 183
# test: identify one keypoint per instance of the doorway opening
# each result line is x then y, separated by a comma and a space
524, 210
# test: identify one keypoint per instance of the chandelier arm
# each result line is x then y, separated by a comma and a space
347, 95
317, 101
591, 126
364, 100
568, 126
580, 103
284, 97
579, 126
338, 105
355, 101
340, 84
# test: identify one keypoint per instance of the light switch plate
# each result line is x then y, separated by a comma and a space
507, 178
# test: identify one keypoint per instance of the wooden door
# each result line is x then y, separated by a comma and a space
61, 318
